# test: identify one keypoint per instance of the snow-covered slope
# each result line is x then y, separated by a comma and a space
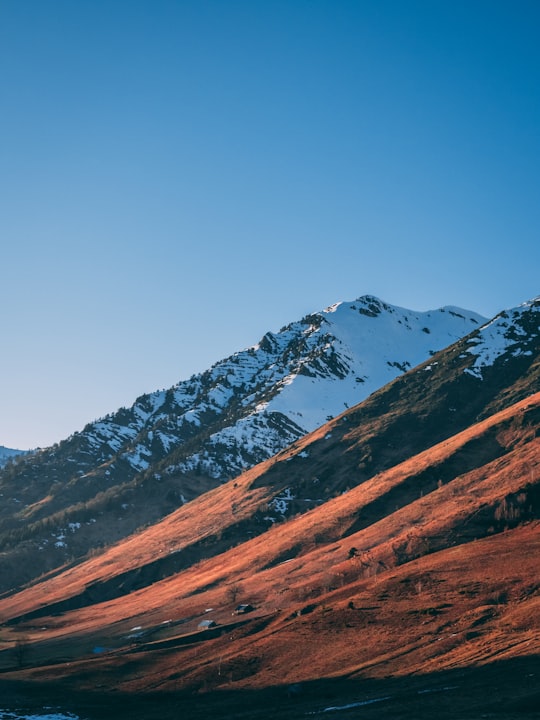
249, 406
312, 370
512, 331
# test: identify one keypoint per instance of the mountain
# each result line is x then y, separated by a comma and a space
134, 466
389, 556
7, 454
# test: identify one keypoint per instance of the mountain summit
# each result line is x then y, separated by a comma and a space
140, 463
261, 399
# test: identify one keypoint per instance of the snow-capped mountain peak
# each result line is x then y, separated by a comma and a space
254, 403
352, 349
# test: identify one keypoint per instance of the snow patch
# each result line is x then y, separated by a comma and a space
281, 502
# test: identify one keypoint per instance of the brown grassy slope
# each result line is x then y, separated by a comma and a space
425, 593
180, 538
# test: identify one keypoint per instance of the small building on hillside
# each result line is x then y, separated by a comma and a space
244, 608
206, 624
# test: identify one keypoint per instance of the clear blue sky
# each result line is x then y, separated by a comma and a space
177, 177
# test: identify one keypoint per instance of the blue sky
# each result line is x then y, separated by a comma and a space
180, 176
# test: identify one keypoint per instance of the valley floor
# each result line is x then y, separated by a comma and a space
505, 690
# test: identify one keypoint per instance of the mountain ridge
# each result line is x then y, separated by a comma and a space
138, 464
396, 542
417, 410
